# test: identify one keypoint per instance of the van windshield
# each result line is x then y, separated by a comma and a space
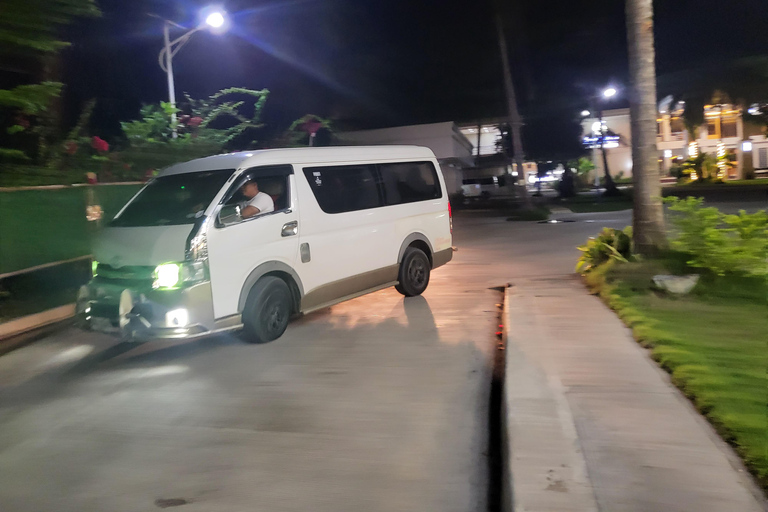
173, 200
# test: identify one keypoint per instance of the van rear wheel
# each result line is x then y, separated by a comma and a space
414, 273
267, 310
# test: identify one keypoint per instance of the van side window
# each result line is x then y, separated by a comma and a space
272, 180
344, 188
409, 182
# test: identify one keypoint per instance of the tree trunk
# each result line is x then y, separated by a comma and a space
610, 187
648, 219
515, 123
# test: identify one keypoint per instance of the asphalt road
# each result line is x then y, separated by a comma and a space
379, 403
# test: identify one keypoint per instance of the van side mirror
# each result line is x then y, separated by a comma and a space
229, 215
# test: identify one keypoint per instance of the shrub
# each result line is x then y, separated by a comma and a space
724, 244
704, 167
610, 244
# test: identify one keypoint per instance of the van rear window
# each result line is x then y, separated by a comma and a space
409, 182
173, 200
347, 188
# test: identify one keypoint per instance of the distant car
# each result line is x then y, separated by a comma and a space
179, 261
484, 188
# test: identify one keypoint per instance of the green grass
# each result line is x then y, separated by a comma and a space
713, 342
537, 212
755, 182
730, 183
43, 226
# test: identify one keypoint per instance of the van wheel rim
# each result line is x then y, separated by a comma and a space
275, 318
417, 272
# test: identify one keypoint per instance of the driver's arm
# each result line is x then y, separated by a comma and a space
249, 211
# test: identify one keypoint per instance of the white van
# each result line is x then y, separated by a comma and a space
179, 261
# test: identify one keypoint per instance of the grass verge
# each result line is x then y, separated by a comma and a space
537, 212
712, 342
588, 203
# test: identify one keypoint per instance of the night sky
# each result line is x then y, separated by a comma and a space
371, 63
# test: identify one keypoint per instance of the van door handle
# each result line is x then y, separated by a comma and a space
290, 229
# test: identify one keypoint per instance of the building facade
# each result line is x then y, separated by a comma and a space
723, 132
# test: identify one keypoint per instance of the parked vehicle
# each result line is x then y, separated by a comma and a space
179, 260
485, 188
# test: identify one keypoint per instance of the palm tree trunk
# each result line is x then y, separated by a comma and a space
648, 219
515, 122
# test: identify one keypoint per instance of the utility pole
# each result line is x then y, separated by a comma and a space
515, 123
169, 74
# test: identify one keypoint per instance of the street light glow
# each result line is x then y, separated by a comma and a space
609, 92
585, 113
215, 20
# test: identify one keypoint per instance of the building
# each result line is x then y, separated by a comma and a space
723, 132
483, 135
451, 147
468, 153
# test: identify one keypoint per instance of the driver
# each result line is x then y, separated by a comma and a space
257, 202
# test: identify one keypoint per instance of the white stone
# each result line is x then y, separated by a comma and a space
680, 285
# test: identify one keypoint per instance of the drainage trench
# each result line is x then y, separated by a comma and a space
495, 448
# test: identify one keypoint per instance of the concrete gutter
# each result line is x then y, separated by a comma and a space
544, 465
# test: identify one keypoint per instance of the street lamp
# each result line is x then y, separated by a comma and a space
585, 113
596, 104
214, 20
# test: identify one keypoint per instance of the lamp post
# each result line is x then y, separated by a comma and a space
597, 101
213, 19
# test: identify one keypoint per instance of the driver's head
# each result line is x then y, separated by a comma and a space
249, 189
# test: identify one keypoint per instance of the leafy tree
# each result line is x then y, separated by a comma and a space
583, 166
29, 28
29, 34
223, 120
204, 127
299, 133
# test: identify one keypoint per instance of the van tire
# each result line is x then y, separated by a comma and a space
413, 276
267, 310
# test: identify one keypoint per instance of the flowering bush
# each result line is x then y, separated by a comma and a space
99, 144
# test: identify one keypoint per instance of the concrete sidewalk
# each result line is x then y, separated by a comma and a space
594, 424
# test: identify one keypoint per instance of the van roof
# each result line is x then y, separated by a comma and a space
322, 155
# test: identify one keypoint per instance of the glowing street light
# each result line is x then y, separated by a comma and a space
609, 92
585, 113
215, 20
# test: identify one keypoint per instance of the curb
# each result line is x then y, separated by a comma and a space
28, 323
59, 187
544, 467
44, 266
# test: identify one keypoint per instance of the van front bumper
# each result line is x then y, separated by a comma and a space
138, 311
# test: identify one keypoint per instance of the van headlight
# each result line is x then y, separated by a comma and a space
166, 275
171, 275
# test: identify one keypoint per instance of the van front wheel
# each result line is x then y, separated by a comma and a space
267, 310
414, 273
